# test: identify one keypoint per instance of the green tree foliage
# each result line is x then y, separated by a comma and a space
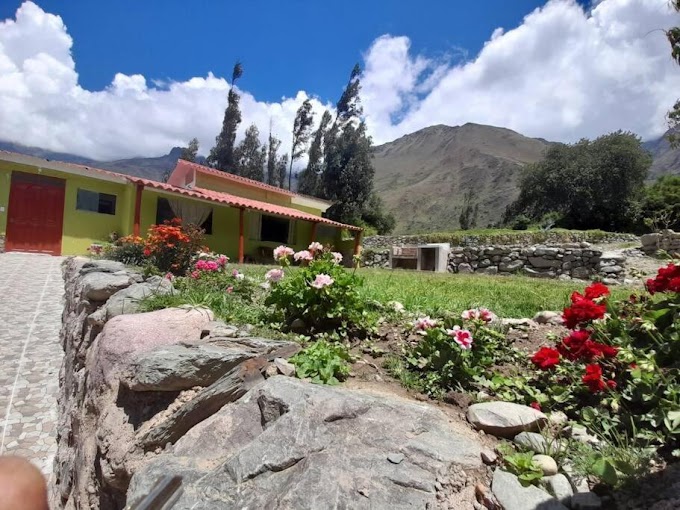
250, 155
661, 204
190, 152
222, 155
590, 184
309, 181
272, 171
302, 131
673, 35
375, 216
468, 216
282, 170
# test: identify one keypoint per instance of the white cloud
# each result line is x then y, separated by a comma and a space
563, 74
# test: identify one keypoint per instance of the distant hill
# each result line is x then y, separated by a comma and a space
666, 160
148, 168
423, 177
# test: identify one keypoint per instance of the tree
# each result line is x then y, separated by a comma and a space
673, 35
349, 105
589, 184
272, 170
190, 152
250, 155
468, 216
222, 155
302, 130
309, 181
661, 204
281, 170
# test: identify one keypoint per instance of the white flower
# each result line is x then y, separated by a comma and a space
283, 252
424, 323
274, 275
303, 255
315, 247
337, 257
322, 280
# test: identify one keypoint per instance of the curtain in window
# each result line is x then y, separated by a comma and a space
190, 212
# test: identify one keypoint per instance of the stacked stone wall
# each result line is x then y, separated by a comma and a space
665, 240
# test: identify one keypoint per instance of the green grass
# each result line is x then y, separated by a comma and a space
507, 296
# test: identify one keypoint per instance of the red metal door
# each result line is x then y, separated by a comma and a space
35, 213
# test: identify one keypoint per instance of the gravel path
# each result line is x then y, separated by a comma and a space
31, 303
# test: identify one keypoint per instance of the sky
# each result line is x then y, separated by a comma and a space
128, 78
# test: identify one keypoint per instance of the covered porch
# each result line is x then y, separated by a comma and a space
244, 229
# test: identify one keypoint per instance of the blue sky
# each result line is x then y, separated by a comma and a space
83, 76
285, 46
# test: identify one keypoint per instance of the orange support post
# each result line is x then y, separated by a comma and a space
241, 254
138, 210
314, 231
357, 241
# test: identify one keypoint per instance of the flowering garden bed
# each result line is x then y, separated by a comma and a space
615, 371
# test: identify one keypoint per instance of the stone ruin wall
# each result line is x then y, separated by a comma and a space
665, 240
576, 260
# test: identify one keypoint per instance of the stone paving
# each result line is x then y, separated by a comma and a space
31, 303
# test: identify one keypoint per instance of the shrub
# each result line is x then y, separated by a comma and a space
322, 294
521, 222
454, 351
128, 250
171, 247
324, 362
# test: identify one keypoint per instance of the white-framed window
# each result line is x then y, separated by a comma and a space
274, 229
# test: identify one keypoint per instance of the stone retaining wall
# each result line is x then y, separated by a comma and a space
577, 260
666, 240
519, 237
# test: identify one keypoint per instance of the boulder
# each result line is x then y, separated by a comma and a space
534, 442
284, 367
513, 496
127, 300
580, 273
505, 419
101, 266
292, 444
650, 240
465, 269
98, 286
180, 367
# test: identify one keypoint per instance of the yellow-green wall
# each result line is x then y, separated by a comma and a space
216, 184
80, 228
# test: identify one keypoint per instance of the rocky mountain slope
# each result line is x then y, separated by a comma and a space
424, 177
666, 159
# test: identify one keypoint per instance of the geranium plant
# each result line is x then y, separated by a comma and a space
322, 294
171, 247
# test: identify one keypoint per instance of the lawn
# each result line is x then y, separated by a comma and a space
507, 296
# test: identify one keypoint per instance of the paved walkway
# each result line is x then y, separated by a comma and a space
31, 302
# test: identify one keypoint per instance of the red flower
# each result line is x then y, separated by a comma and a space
596, 290
546, 358
582, 310
572, 346
535, 405
612, 384
674, 284
593, 378
608, 351
667, 278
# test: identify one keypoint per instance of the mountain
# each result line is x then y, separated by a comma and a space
148, 168
423, 177
666, 159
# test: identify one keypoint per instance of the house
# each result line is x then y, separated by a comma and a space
62, 208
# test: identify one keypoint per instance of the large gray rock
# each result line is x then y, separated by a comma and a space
98, 286
291, 444
101, 266
512, 266
184, 366
127, 300
559, 486
534, 442
505, 419
512, 496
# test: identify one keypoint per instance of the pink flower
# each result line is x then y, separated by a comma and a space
230, 289
222, 260
483, 314
303, 255
337, 257
283, 252
195, 275
322, 280
169, 276
425, 323
461, 336
237, 275
315, 247
274, 275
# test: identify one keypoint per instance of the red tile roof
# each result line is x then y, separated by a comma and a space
240, 202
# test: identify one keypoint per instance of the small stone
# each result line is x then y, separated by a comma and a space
91, 489
558, 485
585, 501
505, 419
548, 317
546, 463
513, 496
395, 458
489, 457
285, 367
271, 371
557, 418
298, 325
533, 441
